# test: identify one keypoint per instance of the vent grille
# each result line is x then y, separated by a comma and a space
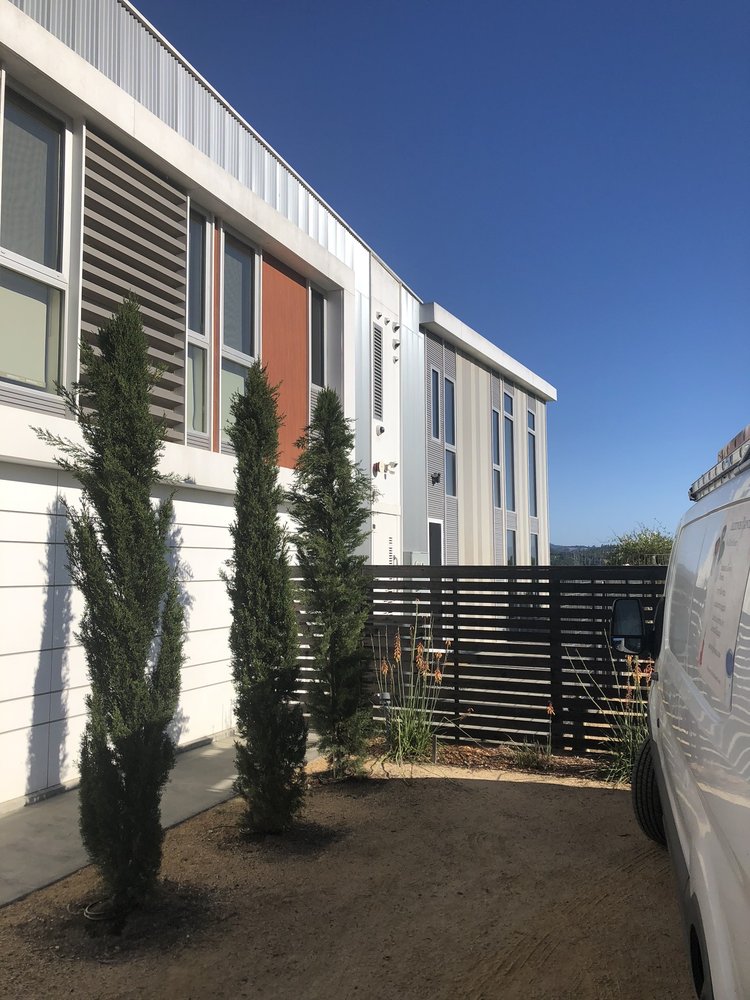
377, 373
134, 240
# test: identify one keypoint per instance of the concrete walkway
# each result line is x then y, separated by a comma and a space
40, 844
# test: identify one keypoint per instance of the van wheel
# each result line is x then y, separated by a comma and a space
645, 795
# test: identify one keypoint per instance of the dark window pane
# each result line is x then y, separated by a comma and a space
317, 339
31, 185
510, 479
435, 404
535, 550
450, 412
531, 421
495, 438
436, 543
238, 297
510, 545
450, 473
508, 404
496, 488
197, 275
532, 476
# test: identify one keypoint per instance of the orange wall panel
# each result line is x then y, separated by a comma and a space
285, 350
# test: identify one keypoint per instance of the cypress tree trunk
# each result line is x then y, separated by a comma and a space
330, 501
263, 636
132, 626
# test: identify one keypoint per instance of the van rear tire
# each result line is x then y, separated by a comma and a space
645, 795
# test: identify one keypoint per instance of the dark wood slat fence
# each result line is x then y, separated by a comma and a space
521, 638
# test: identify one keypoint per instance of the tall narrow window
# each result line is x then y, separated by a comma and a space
32, 285
377, 373
510, 547
197, 275
534, 549
239, 298
450, 473
198, 344
435, 403
450, 437
532, 465
239, 322
496, 473
510, 464
450, 412
317, 339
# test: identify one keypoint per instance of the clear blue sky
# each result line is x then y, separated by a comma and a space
569, 177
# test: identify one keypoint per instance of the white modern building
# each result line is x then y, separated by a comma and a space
122, 169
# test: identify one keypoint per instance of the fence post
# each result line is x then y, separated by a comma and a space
556, 656
456, 679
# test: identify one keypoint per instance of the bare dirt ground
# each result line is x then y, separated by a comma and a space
431, 882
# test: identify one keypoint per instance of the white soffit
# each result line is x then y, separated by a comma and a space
439, 321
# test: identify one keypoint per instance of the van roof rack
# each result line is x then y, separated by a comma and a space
728, 466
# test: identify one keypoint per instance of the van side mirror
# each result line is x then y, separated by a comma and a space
627, 630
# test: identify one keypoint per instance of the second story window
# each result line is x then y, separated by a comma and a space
497, 494
198, 325
450, 437
510, 463
238, 321
32, 280
435, 404
317, 339
532, 464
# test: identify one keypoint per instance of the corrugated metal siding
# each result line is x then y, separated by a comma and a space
134, 239
109, 36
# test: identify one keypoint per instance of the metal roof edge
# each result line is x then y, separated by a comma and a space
438, 320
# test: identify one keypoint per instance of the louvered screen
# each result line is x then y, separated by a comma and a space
377, 373
134, 239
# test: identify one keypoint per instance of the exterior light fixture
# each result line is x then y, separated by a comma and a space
396, 341
435, 478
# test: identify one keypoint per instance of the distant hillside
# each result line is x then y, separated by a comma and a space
581, 555
601, 555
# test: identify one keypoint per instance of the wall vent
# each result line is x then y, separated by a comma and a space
377, 373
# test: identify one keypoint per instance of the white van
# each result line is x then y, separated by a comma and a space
691, 782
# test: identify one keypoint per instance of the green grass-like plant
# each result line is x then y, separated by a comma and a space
409, 690
625, 711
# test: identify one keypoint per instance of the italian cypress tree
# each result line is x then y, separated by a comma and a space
263, 636
330, 502
132, 626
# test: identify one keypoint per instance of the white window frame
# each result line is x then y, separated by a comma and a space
193, 338
33, 270
230, 353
